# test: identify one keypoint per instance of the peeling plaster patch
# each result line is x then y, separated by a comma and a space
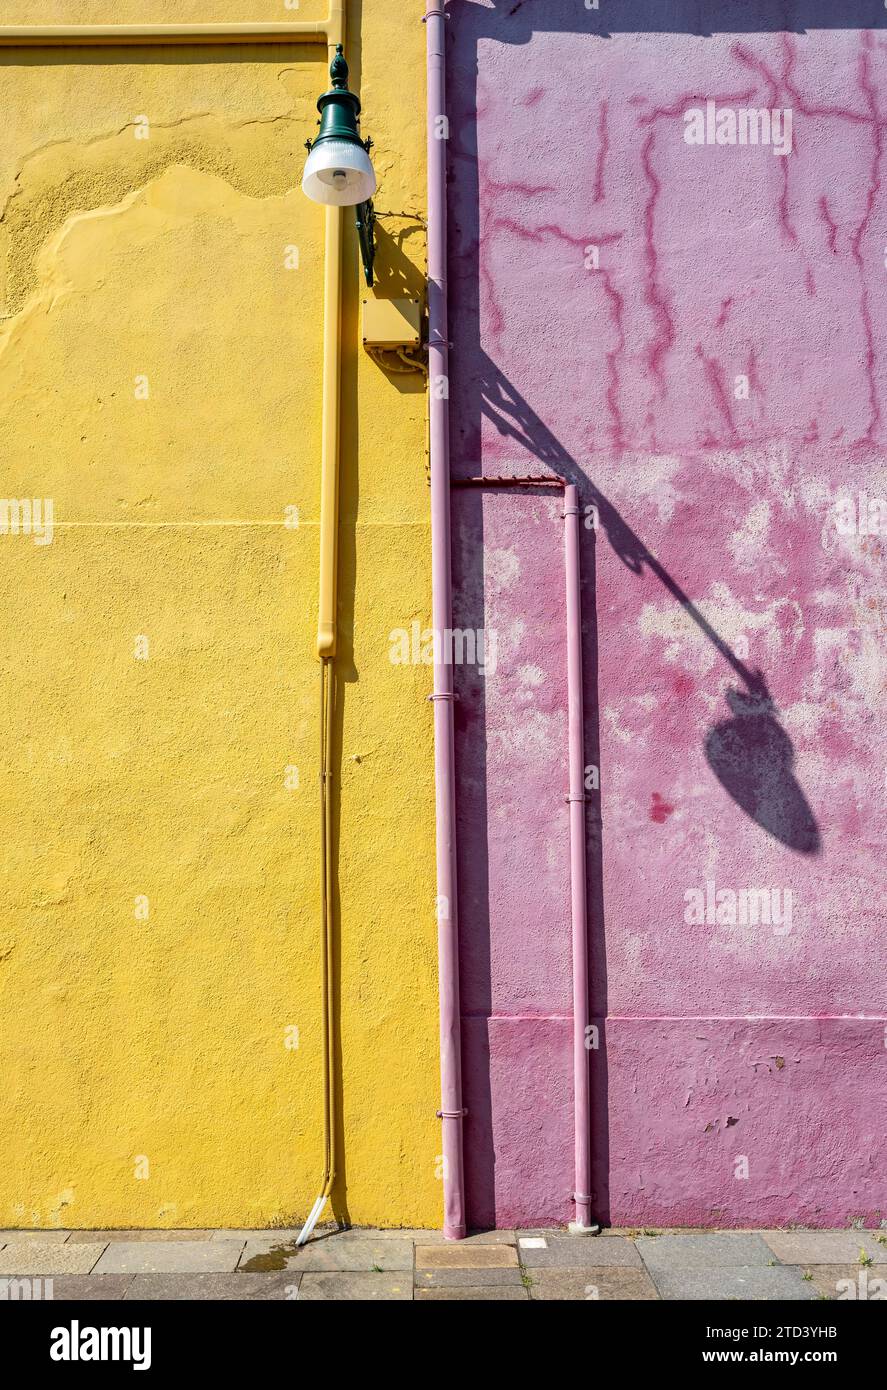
531, 677
658, 472
501, 569
804, 718
510, 641
856, 655
533, 735
827, 598
612, 717
815, 495
724, 613
697, 791
798, 628
713, 704
64, 179
74, 257
829, 642
644, 478
861, 551
748, 544
761, 468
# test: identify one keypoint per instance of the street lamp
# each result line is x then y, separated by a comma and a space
338, 171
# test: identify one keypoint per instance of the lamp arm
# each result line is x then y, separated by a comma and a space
366, 226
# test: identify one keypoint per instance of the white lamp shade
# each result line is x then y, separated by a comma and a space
339, 174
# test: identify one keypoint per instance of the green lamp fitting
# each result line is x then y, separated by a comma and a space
338, 171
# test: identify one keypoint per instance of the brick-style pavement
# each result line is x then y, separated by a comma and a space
403, 1265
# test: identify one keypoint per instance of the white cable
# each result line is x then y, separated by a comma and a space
312, 1220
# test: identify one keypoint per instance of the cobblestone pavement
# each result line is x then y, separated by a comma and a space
405, 1265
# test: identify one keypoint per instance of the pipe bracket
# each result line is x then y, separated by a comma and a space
453, 695
450, 1114
577, 798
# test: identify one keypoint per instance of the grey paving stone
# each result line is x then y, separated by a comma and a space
459, 1255
89, 1237
274, 1237
329, 1286
75, 1288
550, 1232
353, 1256
741, 1282
371, 1233
633, 1231
487, 1238
547, 1233
825, 1247
35, 1237
580, 1252
158, 1288
27, 1288
488, 1294
849, 1283
30, 1257
702, 1252
421, 1237
269, 1256
594, 1284
174, 1257
337, 1253
466, 1278
325, 1228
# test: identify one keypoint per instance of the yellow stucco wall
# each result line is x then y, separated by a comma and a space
124, 1039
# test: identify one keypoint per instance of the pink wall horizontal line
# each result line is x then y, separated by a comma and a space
744, 1018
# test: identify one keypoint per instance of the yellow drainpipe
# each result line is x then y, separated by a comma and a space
331, 30
326, 638
332, 348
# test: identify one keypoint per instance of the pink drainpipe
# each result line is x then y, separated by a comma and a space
582, 1225
576, 798
451, 1111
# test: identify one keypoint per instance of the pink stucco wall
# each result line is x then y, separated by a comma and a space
734, 637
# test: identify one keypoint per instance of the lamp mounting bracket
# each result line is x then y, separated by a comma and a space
366, 232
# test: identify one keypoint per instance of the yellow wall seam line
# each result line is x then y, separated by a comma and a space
86, 35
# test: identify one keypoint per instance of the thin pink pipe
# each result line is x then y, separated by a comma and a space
451, 1111
576, 799
581, 1086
